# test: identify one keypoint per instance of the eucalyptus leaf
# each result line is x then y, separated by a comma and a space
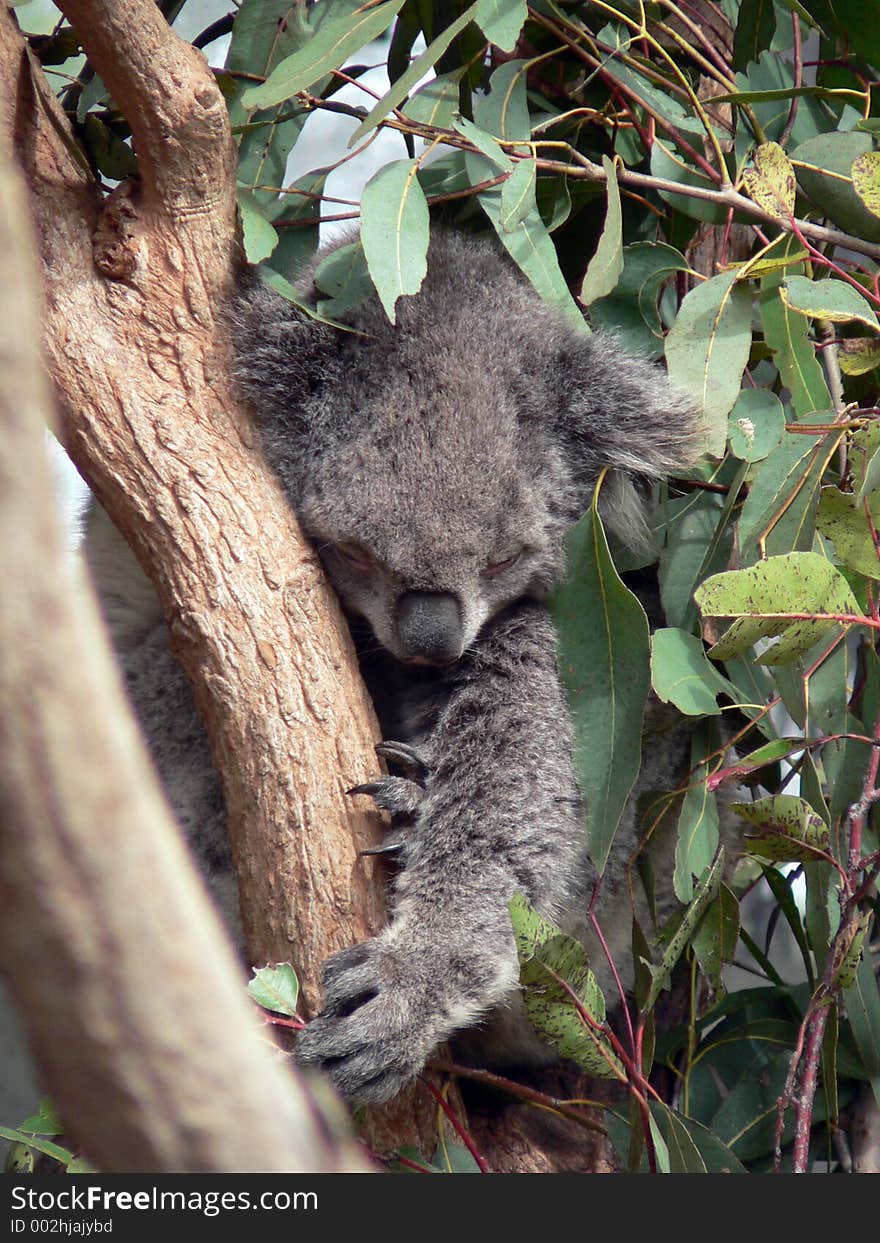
789, 830
329, 48
606, 264
394, 232
275, 988
763, 598
604, 663
708, 347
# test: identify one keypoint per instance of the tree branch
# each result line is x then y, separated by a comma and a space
111, 974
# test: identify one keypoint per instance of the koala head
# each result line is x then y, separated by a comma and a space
438, 463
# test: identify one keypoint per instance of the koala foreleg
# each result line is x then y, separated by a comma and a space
500, 813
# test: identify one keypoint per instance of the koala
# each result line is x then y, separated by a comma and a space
437, 465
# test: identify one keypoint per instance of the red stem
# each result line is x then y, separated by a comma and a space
457, 1125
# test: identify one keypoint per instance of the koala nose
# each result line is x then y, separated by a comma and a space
429, 626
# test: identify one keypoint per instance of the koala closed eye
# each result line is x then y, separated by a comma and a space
494, 568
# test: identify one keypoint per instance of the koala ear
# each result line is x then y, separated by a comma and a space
281, 356
622, 412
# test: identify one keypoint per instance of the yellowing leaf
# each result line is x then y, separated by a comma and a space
866, 180
771, 181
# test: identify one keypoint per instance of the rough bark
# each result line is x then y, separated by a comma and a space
137, 356
110, 973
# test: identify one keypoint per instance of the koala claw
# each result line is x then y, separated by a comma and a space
387, 848
374, 1033
404, 757
398, 795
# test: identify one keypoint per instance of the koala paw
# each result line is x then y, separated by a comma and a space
401, 796
377, 1027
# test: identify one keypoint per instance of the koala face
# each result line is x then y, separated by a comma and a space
442, 521
437, 463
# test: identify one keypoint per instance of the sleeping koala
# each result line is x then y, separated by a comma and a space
437, 465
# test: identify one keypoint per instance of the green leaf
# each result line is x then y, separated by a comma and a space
717, 937
325, 51
708, 347
784, 492
698, 824
394, 97
606, 264
755, 28
265, 33
343, 274
827, 299
504, 111
260, 239
436, 103
824, 171
681, 674
757, 424
790, 831
488, 146
295, 217
501, 21
788, 335
762, 595
94, 92
664, 103
114, 158
862, 1001
549, 960
689, 1142
762, 757
446, 175
275, 988
704, 894
696, 544
666, 163
843, 518
848, 951
19, 1160
864, 459
528, 244
282, 286
631, 308
454, 1158
684, 1156
604, 663
63, 1155
45, 1122
771, 180
866, 180
518, 194
395, 232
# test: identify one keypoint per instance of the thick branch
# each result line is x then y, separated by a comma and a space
167, 93
131, 998
137, 360
138, 357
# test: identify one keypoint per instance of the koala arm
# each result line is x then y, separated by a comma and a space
501, 813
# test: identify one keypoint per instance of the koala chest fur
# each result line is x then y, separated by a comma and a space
436, 464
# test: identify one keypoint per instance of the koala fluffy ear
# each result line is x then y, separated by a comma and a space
622, 412
281, 355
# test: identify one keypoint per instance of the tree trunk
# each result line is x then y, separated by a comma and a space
107, 939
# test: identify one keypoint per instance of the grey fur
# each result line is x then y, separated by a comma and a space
437, 466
